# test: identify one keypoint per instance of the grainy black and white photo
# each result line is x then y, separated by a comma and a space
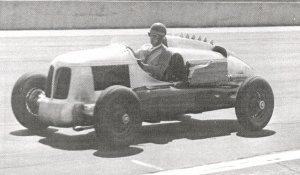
150, 87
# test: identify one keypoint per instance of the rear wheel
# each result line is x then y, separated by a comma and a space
117, 115
254, 104
24, 100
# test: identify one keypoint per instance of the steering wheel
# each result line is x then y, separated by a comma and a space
132, 51
139, 61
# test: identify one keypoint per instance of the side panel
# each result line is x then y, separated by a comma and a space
140, 78
172, 100
209, 72
81, 86
105, 76
214, 98
159, 100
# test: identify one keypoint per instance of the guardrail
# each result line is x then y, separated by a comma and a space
16, 15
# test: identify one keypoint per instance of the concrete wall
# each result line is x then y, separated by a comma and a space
91, 14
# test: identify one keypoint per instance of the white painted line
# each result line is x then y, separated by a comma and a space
147, 165
235, 165
160, 123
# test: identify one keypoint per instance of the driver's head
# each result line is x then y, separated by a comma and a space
157, 32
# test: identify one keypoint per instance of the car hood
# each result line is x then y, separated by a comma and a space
115, 54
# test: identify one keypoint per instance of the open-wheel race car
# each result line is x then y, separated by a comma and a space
106, 89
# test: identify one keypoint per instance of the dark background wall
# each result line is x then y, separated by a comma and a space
16, 15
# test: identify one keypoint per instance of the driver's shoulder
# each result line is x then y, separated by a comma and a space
166, 50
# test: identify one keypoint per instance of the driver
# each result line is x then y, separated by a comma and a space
155, 57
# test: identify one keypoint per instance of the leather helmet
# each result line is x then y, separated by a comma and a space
159, 29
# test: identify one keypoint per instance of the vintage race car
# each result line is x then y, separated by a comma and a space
106, 89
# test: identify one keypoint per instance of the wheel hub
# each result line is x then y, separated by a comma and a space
125, 118
32, 98
262, 104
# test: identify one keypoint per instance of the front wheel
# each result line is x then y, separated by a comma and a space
254, 104
24, 100
117, 116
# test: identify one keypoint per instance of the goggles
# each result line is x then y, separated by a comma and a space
153, 35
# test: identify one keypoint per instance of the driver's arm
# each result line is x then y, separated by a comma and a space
142, 52
155, 70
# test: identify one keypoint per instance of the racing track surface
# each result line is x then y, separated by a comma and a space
197, 140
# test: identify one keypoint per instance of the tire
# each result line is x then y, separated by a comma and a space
24, 100
117, 116
254, 104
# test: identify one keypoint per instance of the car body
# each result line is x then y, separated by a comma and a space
81, 85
